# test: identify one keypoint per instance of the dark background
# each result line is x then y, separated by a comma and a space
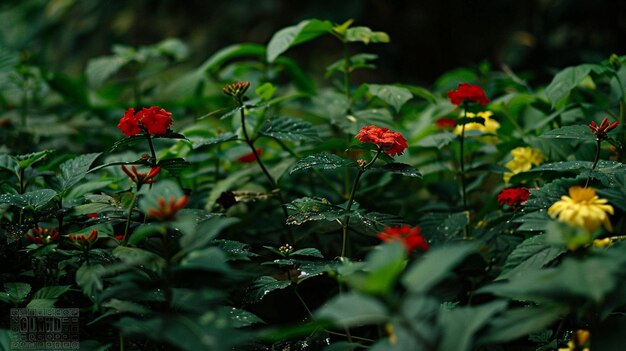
427, 37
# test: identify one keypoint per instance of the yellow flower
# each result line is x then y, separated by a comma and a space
490, 126
580, 341
523, 160
582, 209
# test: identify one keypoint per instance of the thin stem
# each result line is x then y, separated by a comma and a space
467, 233
462, 160
250, 143
269, 177
355, 185
128, 218
595, 160
152, 152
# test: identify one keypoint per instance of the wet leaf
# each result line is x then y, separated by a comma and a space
322, 161
531, 255
285, 128
401, 168
33, 199
263, 286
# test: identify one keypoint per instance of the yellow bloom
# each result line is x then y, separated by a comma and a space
582, 209
490, 126
580, 341
523, 160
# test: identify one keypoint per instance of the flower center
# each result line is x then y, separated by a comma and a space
580, 194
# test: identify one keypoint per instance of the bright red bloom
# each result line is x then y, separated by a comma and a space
156, 120
129, 124
153, 120
250, 157
82, 241
142, 178
167, 209
604, 127
468, 92
43, 236
445, 123
91, 215
513, 196
392, 143
409, 237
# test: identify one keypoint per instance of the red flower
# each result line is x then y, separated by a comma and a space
129, 124
250, 157
167, 209
91, 215
468, 92
82, 241
393, 143
445, 123
142, 178
604, 127
409, 237
153, 120
156, 120
43, 236
513, 196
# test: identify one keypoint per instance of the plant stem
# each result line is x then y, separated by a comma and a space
355, 185
595, 160
152, 152
269, 177
462, 164
128, 218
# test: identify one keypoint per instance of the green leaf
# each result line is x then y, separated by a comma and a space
121, 306
241, 318
453, 225
393, 95
357, 61
174, 165
263, 286
100, 69
222, 138
10, 164
434, 266
32, 199
74, 170
210, 259
439, 140
322, 161
291, 36
309, 209
17, 292
401, 168
578, 132
592, 278
51, 292
89, 278
365, 35
460, 324
353, 309
205, 232
28, 160
285, 128
41, 303
383, 265
138, 257
311, 252
568, 79
214, 62
531, 255
266, 91
520, 322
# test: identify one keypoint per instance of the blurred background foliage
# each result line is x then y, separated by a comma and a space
427, 37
